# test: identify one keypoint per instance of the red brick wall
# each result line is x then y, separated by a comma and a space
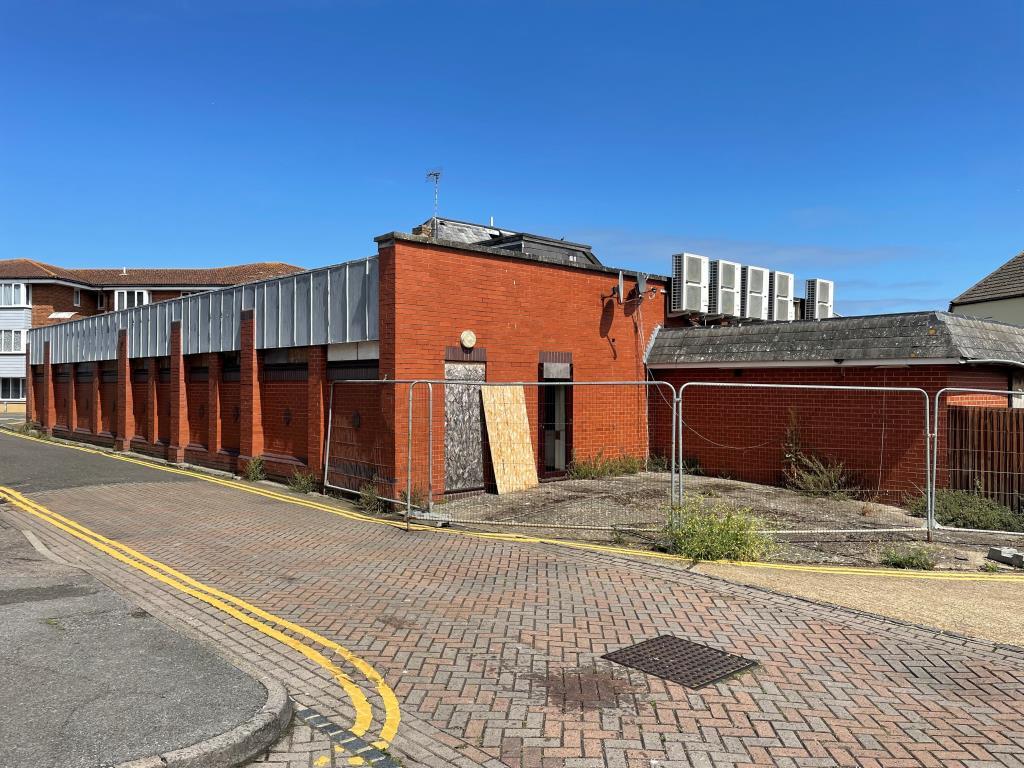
361, 446
230, 417
61, 395
48, 298
108, 397
284, 418
84, 373
140, 396
38, 392
879, 437
196, 386
517, 309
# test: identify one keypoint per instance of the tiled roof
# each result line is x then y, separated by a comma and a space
26, 269
220, 276
915, 335
1007, 282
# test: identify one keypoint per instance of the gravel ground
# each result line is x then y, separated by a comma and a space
635, 507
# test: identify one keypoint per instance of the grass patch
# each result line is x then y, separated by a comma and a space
716, 531
908, 557
965, 509
254, 470
599, 466
302, 482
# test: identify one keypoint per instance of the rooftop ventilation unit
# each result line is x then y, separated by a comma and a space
725, 290
819, 299
754, 283
780, 296
690, 279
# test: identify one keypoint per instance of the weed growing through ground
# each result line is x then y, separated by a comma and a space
254, 470
966, 509
813, 475
370, 501
599, 466
908, 557
989, 567
302, 482
716, 531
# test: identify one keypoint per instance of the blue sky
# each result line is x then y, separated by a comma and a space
880, 144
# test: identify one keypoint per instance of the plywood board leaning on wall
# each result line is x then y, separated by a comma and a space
508, 433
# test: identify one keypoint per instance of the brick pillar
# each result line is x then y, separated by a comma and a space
213, 403
30, 390
49, 415
94, 399
125, 419
179, 400
152, 377
72, 390
315, 384
251, 428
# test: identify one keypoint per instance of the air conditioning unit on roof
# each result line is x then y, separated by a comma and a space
690, 279
820, 299
725, 294
754, 293
780, 296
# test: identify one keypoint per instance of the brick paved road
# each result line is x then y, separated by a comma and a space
492, 647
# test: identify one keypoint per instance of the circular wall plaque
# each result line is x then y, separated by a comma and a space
468, 339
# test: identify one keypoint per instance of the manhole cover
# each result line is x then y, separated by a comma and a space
681, 661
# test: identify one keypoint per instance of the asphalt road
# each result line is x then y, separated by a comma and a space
90, 680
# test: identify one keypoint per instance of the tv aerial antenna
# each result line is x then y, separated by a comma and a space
434, 176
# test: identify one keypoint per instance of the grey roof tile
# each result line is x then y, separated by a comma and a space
1007, 282
915, 335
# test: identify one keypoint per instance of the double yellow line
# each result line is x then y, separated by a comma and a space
250, 615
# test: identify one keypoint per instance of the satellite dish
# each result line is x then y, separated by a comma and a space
622, 288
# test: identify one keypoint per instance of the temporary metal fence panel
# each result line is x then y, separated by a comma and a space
603, 454
368, 441
807, 459
978, 461
332, 305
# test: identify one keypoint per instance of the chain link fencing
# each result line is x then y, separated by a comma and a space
808, 459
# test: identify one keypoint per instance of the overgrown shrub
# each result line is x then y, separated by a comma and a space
254, 470
813, 475
911, 557
370, 500
716, 531
965, 509
302, 482
599, 466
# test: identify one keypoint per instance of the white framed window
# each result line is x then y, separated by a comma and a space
128, 299
14, 295
12, 340
12, 389
77, 298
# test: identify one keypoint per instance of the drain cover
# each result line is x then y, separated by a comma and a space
681, 661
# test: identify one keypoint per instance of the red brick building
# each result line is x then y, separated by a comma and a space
238, 373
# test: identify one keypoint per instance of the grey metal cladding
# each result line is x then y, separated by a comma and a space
918, 335
322, 306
